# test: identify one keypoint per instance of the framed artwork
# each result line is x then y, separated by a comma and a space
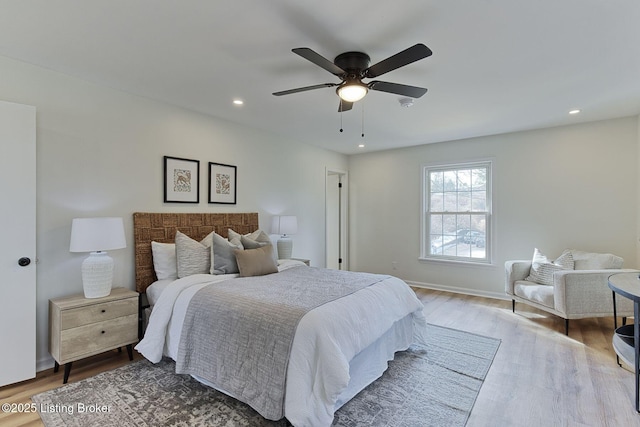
222, 183
181, 180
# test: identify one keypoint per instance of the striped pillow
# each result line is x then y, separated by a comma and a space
542, 269
193, 257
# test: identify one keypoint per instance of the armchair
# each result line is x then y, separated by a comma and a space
573, 294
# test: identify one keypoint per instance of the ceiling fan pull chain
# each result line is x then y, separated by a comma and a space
363, 119
341, 130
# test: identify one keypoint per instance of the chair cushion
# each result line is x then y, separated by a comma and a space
594, 261
542, 294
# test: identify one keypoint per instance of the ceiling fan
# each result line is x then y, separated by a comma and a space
352, 67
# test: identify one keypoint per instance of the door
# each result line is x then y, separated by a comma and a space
18, 248
336, 220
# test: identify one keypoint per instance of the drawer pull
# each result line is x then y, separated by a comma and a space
103, 332
104, 311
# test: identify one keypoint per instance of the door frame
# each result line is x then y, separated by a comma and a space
343, 228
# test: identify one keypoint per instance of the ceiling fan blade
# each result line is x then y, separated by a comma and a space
398, 89
304, 89
319, 60
400, 59
344, 106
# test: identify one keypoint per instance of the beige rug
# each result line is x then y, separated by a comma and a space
432, 385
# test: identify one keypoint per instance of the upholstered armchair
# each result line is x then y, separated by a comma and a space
574, 286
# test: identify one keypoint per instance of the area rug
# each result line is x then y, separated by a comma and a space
428, 385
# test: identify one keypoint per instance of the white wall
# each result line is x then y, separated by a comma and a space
100, 153
638, 196
565, 187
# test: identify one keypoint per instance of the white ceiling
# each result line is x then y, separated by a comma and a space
497, 66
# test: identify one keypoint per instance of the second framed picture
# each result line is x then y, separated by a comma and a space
222, 183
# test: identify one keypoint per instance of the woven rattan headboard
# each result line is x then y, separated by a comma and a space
161, 227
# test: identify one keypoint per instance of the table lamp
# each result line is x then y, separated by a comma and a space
285, 225
97, 235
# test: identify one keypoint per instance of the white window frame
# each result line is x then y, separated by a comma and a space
425, 215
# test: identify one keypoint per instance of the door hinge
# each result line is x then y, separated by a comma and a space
339, 260
339, 185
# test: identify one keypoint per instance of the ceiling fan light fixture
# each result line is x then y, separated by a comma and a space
352, 91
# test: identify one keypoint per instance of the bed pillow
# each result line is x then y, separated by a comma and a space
542, 269
256, 262
257, 236
164, 260
224, 260
193, 257
248, 243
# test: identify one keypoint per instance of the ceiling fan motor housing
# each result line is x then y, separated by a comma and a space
353, 63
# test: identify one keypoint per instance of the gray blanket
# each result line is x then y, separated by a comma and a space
237, 334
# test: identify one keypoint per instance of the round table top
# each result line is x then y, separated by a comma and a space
626, 284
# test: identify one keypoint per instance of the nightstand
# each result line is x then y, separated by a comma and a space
80, 327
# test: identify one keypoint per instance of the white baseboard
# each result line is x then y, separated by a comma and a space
44, 364
465, 291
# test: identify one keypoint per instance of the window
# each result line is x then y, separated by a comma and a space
457, 212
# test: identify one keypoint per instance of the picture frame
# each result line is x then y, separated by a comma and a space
181, 180
222, 183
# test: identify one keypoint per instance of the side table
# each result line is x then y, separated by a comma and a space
628, 286
80, 327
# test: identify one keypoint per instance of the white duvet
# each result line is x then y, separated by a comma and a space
327, 338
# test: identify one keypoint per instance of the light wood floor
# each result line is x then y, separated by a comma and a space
539, 378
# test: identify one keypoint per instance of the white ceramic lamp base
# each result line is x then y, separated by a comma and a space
285, 248
97, 275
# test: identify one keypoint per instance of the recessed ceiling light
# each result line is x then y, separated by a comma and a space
576, 111
238, 101
360, 145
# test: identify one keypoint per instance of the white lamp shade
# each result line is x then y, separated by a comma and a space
97, 234
285, 224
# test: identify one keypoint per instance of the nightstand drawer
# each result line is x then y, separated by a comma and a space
80, 316
96, 337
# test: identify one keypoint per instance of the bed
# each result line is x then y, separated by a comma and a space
333, 332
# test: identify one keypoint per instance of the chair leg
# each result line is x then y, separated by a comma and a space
513, 305
566, 327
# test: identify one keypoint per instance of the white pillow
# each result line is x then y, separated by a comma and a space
164, 260
542, 269
193, 257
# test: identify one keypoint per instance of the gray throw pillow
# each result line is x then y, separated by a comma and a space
257, 236
224, 260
